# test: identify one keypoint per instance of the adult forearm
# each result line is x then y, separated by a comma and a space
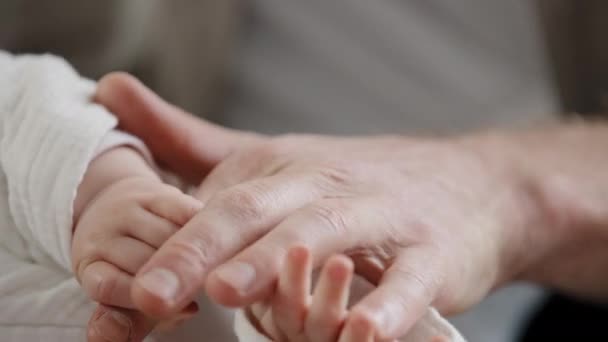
563, 172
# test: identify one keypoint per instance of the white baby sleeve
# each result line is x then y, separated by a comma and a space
49, 132
39, 303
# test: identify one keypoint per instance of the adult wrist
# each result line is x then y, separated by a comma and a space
562, 175
534, 219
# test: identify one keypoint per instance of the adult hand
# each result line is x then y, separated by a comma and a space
438, 221
431, 222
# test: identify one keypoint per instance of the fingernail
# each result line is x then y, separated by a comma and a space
112, 326
160, 282
238, 275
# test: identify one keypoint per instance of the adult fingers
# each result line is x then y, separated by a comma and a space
185, 144
230, 221
229, 173
107, 284
405, 292
325, 227
110, 324
261, 160
330, 299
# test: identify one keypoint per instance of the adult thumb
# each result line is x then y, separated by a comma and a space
181, 142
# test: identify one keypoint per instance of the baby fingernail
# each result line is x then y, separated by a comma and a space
238, 275
160, 282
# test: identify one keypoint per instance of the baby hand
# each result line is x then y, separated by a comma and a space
292, 314
120, 229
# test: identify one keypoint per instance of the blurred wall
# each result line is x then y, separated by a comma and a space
177, 47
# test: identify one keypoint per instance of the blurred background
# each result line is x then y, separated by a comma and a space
340, 66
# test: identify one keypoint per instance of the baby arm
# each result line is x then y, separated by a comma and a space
122, 213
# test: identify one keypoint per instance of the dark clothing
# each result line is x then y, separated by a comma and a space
562, 318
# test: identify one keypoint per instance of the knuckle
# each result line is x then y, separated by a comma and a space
194, 255
422, 285
242, 203
331, 217
335, 177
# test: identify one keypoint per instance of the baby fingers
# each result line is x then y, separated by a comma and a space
173, 205
107, 284
291, 301
330, 299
